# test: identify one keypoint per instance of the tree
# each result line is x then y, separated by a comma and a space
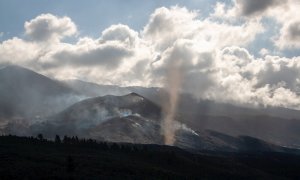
40, 137
57, 139
76, 139
66, 139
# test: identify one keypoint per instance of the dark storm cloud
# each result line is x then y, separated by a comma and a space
107, 56
284, 74
250, 7
294, 31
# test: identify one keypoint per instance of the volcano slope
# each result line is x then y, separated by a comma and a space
135, 119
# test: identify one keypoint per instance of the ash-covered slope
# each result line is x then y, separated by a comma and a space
136, 129
131, 129
101, 108
134, 119
86, 114
278, 125
272, 124
26, 93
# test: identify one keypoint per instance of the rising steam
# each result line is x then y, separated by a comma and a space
172, 85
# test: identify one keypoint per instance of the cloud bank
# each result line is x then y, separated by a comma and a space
47, 27
215, 61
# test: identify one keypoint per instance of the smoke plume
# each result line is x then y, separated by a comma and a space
172, 85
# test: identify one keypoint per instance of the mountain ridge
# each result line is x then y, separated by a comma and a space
142, 102
28, 95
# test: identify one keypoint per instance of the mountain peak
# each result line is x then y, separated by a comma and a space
134, 94
19, 71
135, 97
13, 67
27, 93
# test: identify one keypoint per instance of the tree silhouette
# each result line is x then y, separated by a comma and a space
40, 137
66, 140
76, 139
57, 139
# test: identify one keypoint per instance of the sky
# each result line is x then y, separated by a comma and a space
92, 17
238, 51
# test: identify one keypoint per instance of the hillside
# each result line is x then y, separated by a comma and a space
273, 124
31, 103
135, 119
25, 93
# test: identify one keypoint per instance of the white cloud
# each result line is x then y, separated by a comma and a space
18, 51
289, 37
285, 13
193, 66
120, 33
108, 55
47, 27
212, 53
264, 52
243, 79
167, 25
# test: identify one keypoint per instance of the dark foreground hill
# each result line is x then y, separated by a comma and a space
31, 158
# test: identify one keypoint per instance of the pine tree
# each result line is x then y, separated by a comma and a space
40, 137
57, 139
